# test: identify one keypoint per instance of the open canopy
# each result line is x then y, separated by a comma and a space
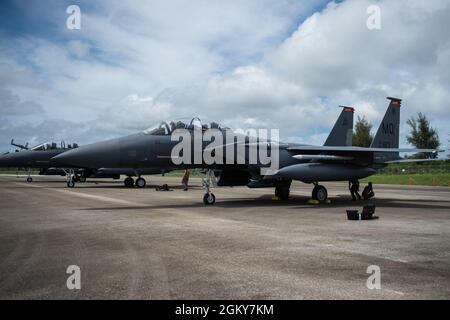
52, 146
167, 127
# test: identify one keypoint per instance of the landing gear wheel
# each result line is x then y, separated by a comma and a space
29, 179
282, 192
209, 198
140, 183
129, 182
71, 183
320, 193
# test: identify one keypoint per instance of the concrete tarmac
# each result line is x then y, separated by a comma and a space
148, 244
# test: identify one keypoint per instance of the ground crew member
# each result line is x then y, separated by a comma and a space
185, 179
368, 192
353, 185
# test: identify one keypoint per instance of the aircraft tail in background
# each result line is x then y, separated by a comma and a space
342, 132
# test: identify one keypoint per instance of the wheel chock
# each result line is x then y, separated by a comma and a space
275, 198
313, 201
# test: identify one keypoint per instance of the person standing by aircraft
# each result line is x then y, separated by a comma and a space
353, 186
185, 179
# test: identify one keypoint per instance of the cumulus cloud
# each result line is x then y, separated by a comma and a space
333, 58
10, 104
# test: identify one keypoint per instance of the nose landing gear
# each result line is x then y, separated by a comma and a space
208, 198
29, 178
71, 178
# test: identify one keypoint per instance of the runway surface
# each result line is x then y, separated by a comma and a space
147, 244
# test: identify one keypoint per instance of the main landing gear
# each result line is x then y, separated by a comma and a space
282, 189
140, 182
208, 198
129, 182
319, 192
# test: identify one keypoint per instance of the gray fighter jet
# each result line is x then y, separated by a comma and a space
36, 157
340, 135
40, 157
310, 164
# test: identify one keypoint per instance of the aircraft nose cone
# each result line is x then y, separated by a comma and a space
3, 160
14, 159
90, 156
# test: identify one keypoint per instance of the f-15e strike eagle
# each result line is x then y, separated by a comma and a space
310, 164
40, 157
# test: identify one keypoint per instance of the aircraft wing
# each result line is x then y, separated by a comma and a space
337, 149
412, 160
357, 149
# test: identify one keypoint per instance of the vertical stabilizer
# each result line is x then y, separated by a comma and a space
341, 134
388, 133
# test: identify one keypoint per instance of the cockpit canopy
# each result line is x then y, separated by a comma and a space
53, 146
166, 128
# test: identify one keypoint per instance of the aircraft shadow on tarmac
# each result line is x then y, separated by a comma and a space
295, 202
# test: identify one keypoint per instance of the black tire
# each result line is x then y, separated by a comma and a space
321, 193
282, 192
140, 183
209, 198
29, 179
70, 183
314, 193
129, 182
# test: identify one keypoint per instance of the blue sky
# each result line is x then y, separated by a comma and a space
281, 64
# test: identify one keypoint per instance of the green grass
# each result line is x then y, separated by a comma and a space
424, 179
